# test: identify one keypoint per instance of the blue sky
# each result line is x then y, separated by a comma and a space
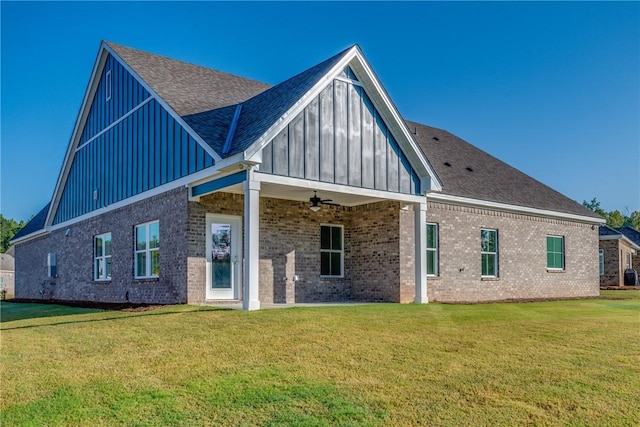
551, 88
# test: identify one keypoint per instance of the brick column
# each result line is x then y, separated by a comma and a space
250, 299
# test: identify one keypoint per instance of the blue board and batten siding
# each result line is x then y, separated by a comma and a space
129, 144
340, 138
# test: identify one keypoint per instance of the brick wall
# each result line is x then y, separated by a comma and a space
74, 255
615, 261
522, 257
290, 245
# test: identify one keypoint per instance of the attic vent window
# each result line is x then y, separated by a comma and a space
447, 164
469, 168
107, 85
435, 138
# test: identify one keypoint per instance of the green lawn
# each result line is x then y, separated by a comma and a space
547, 363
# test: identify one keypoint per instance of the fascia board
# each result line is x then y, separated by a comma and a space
505, 207
31, 236
621, 237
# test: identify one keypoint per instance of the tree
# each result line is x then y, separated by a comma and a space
633, 220
594, 205
8, 229
615, 219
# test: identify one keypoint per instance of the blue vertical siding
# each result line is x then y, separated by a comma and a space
129, 144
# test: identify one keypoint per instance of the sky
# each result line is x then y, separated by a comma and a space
552, 89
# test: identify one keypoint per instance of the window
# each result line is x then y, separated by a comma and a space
331, 251
107, 85
102, 257
628, 260
147, 250
432, 249
489, 252
601, 261
555, 252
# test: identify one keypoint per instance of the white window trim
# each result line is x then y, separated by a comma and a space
436, 250
108, 86
146, 250
497, 268
329, 276
102, 259
601, 261
563, 254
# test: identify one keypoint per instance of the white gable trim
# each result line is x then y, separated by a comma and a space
381, 102
505, 207
620, 237
92, 86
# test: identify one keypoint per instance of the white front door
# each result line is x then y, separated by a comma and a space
224, 256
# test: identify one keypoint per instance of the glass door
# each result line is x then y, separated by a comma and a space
223, 256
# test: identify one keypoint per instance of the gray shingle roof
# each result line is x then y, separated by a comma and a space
631, 234
36, 223
188, 88
489, 178
605, 230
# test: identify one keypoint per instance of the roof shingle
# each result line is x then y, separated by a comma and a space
467, 171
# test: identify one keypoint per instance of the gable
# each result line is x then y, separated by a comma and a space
341, 138
129, 144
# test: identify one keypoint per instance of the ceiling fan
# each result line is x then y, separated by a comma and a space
317, 201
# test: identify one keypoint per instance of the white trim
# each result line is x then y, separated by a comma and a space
494, 253
346, 80
102, 258
105, 130
457, 200
338, 188
436, 250
31, 236
184, 181
420, 231
235, 257
555, 236
331, 251
620, 237
147, 250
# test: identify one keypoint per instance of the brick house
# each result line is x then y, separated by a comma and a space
619, 250
182, 184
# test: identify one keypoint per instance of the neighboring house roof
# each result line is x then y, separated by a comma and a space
605, 232
467, 171
36, 223
7, 262
631, 233
11, 251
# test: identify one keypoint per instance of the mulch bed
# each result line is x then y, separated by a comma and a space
116, 306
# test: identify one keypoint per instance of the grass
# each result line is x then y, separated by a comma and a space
548, 363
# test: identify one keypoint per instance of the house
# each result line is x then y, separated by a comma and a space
618, 251
7, 272
183, 184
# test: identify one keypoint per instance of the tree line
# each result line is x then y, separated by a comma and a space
615, 219
8, 228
